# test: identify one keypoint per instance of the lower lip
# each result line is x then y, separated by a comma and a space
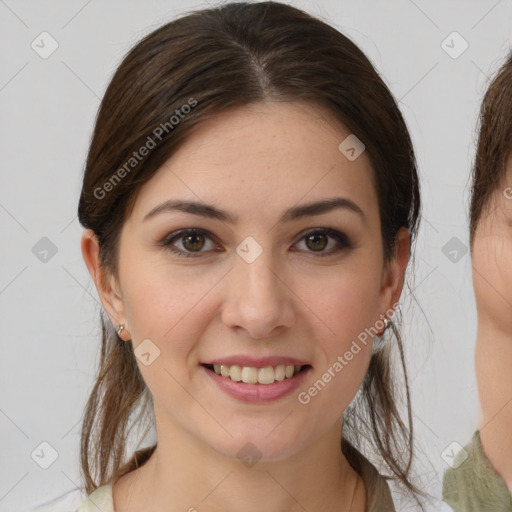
257, 392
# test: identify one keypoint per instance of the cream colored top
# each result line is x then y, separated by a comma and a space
378, 495
100, 499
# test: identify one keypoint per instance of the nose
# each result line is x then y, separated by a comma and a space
258, 300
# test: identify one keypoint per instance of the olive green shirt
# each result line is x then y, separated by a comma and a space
378, 495
474, 485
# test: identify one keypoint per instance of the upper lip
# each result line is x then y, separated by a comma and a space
257, 362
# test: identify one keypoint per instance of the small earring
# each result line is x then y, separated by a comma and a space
387, 323
119, 330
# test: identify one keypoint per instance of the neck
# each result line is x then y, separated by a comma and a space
185, 475
493, 361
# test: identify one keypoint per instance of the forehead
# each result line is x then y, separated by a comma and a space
260, 155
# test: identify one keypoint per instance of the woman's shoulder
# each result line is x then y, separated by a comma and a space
100, 499
472, 484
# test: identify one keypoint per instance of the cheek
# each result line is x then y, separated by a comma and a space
170, 310
350, 317
338, 380
350, 303
160, 300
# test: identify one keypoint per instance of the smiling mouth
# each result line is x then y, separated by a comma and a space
252, 375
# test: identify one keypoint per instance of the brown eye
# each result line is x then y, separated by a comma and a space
192, 242
317, 242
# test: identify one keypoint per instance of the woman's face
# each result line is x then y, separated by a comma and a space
492, 257
257, 283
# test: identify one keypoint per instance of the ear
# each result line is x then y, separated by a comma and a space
106, 283
394, 270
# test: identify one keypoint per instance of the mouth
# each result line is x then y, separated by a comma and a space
253, 375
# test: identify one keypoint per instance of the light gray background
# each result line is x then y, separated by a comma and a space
49, 311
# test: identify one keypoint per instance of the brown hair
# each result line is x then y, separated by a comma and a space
494, 145
222, 58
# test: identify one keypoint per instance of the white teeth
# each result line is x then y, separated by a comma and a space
249, 375
235, 373
252, 375
280, 372
266, 375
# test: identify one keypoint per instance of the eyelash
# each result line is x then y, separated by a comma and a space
341, 238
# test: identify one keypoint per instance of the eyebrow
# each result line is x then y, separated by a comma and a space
292, 214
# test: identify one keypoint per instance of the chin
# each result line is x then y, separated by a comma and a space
252, 447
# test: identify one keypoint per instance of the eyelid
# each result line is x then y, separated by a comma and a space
167, 242
344, 242
339, 236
